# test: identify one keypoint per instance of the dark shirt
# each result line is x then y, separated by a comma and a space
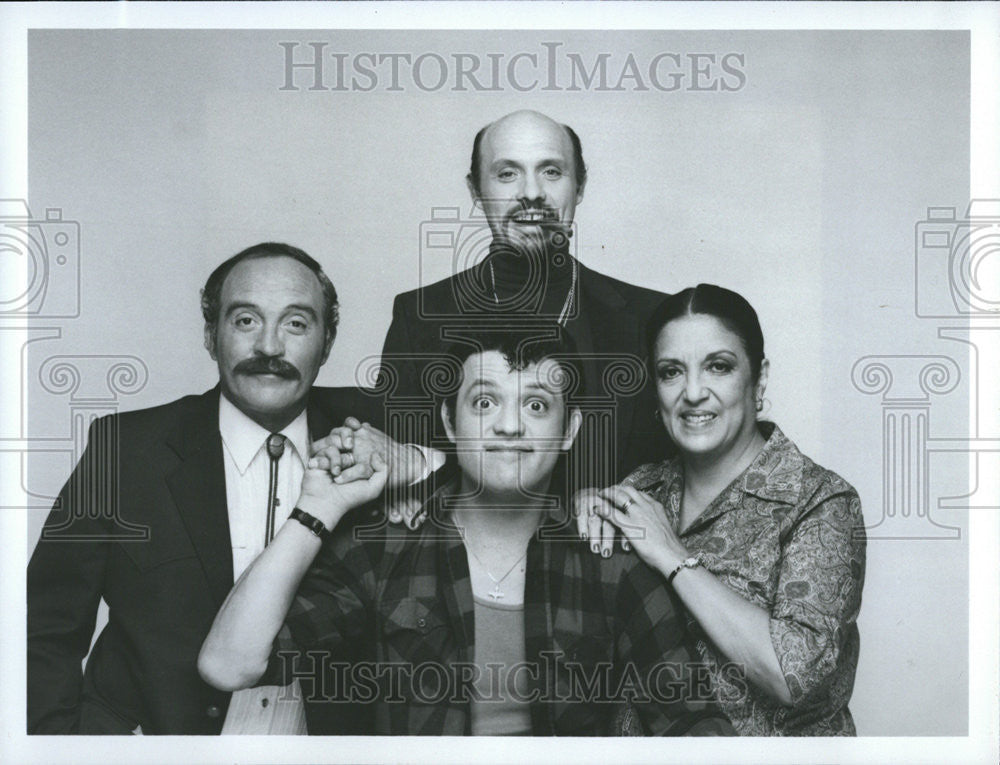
786, 535
595, 631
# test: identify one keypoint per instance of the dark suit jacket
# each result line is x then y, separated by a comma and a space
620, 430
159, 469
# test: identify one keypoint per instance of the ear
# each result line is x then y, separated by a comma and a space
210, 341
449, 428
765, 368
327, 345
572, 428
472, 192
579, 192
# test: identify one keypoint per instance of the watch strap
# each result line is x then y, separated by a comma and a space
311, 522
691, 562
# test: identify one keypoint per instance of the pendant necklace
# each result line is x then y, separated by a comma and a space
496, 593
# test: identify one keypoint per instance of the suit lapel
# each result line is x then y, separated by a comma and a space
198, 487
321, 419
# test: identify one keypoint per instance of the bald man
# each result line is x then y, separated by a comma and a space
528, 176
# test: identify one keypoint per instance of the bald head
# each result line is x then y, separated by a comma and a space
521, 126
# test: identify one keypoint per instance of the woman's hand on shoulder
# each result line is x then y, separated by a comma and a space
644, 524
591, 510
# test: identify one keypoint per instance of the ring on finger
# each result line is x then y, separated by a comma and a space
628, 503
351, 455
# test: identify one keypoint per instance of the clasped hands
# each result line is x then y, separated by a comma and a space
352, 452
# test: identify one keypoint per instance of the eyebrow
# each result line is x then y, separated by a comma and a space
534, 386
712, 354
547, 161
481, 382
299, 307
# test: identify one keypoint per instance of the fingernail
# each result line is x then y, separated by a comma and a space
583, 535
594, 548
605, 553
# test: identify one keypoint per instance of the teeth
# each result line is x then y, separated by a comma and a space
533, 217
698, 418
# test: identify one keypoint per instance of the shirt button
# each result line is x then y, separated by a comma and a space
421, 622
213, 711
263, 702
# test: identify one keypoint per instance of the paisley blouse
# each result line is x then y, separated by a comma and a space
788, 536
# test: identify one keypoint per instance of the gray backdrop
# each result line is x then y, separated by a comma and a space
800, 188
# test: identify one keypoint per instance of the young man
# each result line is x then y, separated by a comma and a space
486, 620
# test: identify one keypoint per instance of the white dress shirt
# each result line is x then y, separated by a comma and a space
266, 709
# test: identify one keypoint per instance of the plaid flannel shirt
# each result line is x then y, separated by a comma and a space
388, 614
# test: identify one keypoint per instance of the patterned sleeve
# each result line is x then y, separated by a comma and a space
819, 588
675, 697
646, 476
328, 616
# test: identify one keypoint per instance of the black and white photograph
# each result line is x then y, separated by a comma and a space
563, 376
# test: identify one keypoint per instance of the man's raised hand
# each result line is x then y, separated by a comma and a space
329, 499
347, 450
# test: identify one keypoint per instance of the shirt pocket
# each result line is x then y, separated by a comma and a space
417, 650
148, 558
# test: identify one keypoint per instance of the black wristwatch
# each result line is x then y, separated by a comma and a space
311, 522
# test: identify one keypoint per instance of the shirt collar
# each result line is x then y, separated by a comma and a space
244, 438
556, 516
776, 473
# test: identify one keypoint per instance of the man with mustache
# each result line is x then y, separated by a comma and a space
210, 478
528, 176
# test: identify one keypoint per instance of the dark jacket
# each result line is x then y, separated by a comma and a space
143, 524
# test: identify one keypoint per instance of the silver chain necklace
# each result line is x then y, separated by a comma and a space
496, 593
567, 305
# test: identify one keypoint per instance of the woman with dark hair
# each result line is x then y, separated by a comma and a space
765, 548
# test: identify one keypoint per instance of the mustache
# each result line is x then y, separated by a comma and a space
268, 365
539, 207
